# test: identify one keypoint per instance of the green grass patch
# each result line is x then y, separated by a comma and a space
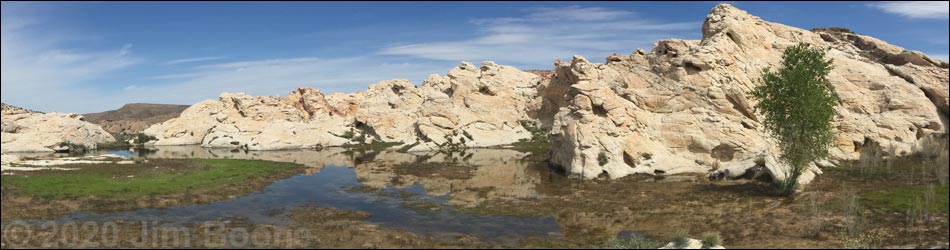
901, 198
158, 177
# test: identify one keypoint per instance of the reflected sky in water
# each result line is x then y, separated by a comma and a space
330, 183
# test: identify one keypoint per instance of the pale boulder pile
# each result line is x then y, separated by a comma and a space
28, 131
683, 106
303, 119
469, 107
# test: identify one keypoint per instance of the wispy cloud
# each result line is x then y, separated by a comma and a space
545, 34
916, 9
48, 71
40, 73
193, 60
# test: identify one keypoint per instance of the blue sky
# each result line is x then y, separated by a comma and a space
96, 56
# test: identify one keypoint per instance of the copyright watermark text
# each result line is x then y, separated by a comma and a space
146, 234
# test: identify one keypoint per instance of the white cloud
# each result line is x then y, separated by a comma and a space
39, 73
193, 60
916, 9
545, 34
44, 71
575, 13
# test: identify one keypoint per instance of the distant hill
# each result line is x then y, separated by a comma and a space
135, 117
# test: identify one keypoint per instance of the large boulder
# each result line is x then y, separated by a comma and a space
476, 106
28, 131
683, 106
388, 112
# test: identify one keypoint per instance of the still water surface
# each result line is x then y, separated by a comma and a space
427, 203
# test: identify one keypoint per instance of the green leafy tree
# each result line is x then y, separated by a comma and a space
798, 104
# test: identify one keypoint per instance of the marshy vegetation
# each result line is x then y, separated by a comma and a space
884, 198
896, 204
146, 183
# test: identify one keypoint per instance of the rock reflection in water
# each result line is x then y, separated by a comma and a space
372, 182
496, 173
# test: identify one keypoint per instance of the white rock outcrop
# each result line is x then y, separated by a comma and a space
681, 107
476, 106
470, 107
28, 131
303, 119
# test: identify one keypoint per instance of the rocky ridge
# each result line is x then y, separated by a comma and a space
681, 107
470, 107
134, 117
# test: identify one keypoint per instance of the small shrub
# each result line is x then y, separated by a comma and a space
143, 138
680, 240
602, 159
931, 147
921, 212
854, 214
347, 135
72, 148
634, 242
538, 135
936, 157
863, 241
943, 168
817, 215
121, 137
711, 240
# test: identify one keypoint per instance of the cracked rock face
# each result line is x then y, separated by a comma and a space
28, 131
681, 107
